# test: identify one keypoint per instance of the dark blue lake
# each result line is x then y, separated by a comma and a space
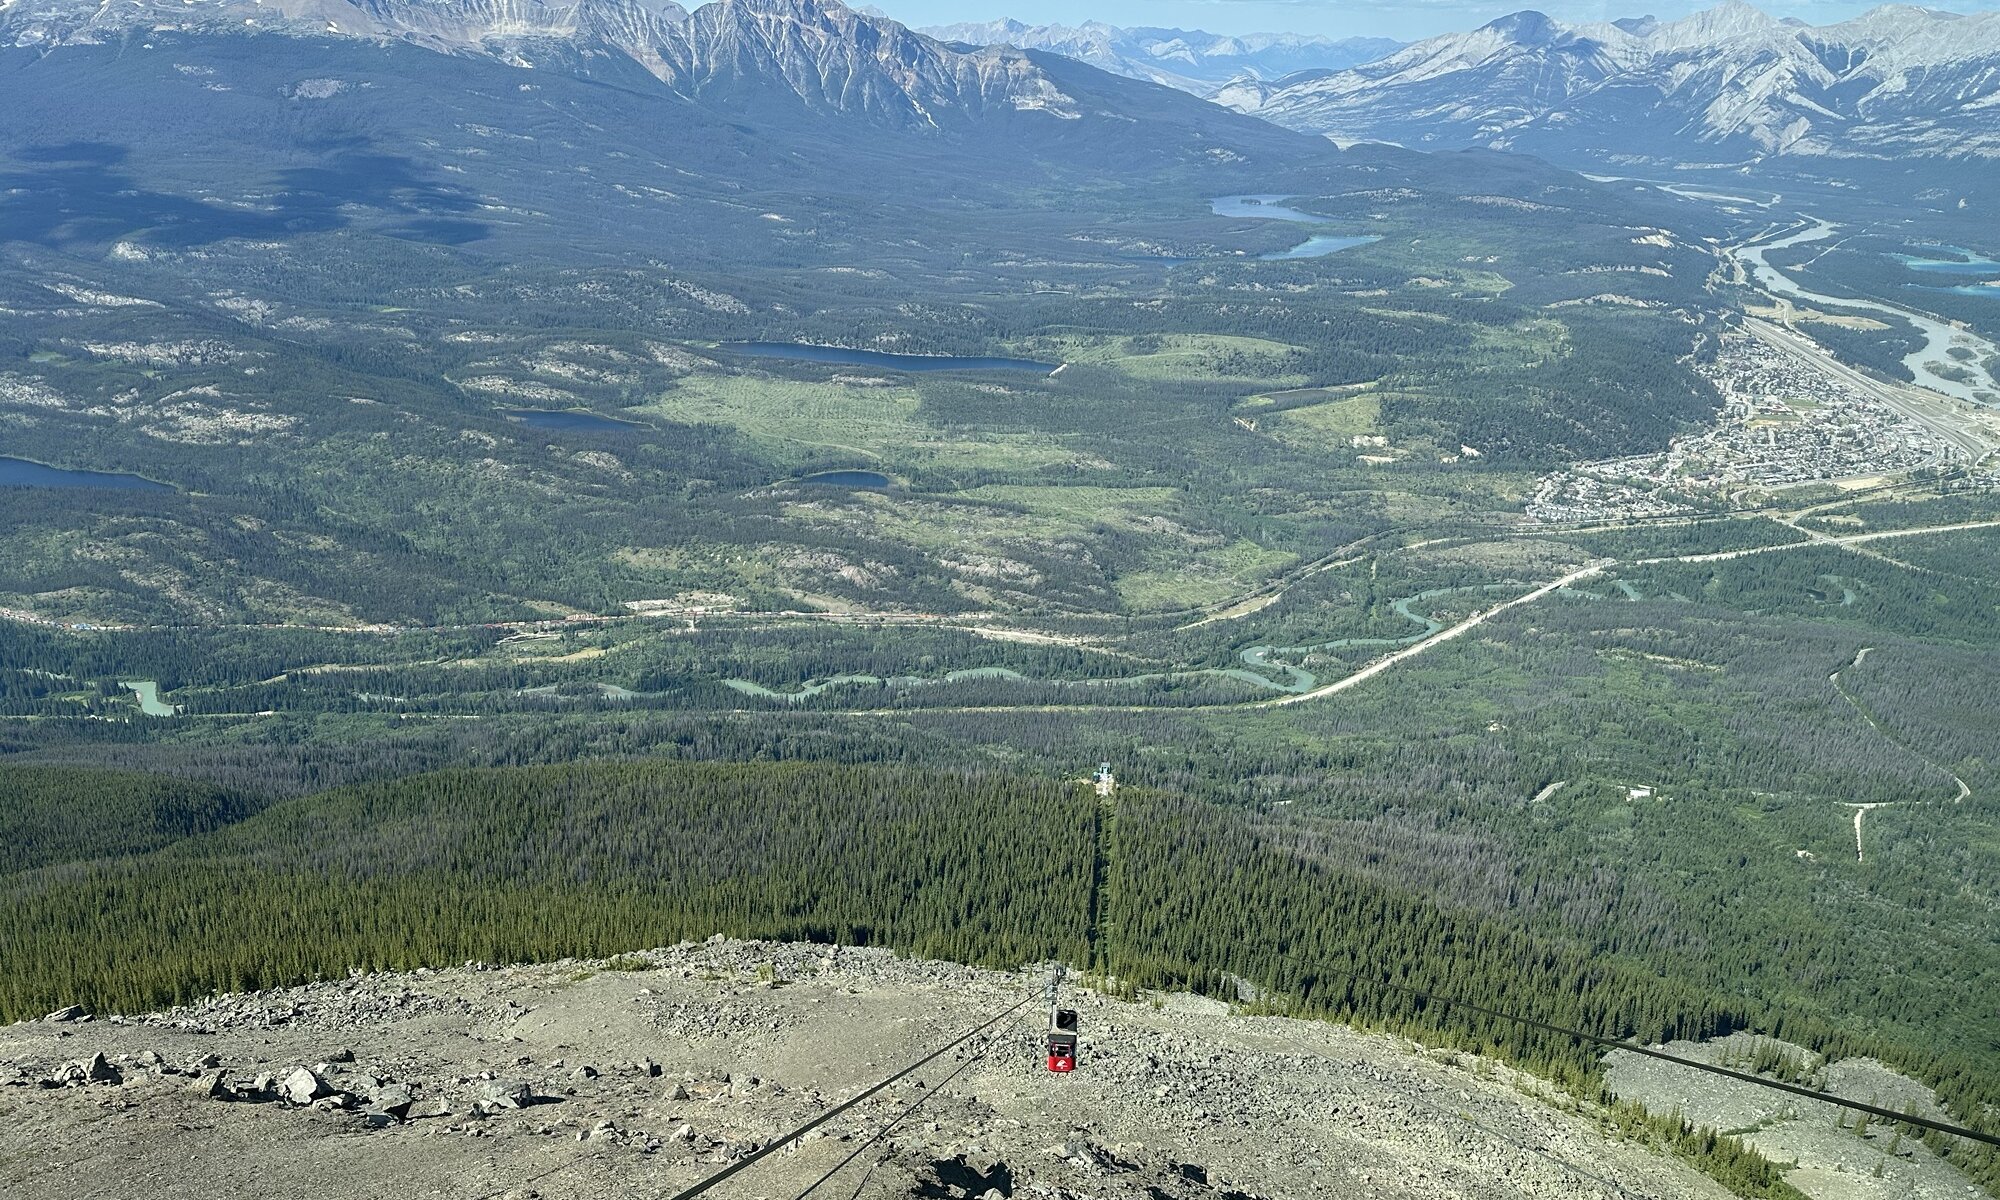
803, 352
544, 418
864, 480
19, 472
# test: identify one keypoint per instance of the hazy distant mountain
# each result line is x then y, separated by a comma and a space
754, 52
1188, 59
610, 124
1726, 85
774, 62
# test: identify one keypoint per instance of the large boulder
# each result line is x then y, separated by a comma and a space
507, 1093
304, 1086
390, 1105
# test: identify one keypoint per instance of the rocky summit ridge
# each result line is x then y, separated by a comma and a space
643, 1074
816, 52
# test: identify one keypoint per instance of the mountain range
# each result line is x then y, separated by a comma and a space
1192, 60
604, 124
1729, 85
746, 54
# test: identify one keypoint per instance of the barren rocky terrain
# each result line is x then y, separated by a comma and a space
1837, 1156
640, 1076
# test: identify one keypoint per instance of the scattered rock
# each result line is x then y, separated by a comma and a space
208, 1086
82, 1072
68, 1012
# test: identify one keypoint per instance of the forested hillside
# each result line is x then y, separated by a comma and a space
52, 815
539, 863
1150, 890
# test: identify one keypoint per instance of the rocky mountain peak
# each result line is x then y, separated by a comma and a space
1525, 28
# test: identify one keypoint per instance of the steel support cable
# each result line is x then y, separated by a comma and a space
830, 1114
898, 1119
1887, 1114
557, 1169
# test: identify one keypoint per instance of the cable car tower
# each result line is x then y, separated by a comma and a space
1062, 1029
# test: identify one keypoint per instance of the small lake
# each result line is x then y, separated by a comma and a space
19, 472
1318, 246
1268, 208
1971, 264
571, 419
148, 694
843, 356
861, 480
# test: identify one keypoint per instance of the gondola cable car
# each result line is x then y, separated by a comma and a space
1062, 1030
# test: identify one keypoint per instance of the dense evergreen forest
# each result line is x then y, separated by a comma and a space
55, 815
519, 865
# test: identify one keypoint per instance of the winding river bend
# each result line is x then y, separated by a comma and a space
849, 357
1260, 663
1926, 364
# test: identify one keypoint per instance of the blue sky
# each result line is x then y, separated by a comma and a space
1408, 19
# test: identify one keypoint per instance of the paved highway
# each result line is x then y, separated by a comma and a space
1971, 430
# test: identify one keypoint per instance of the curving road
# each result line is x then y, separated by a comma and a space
1437, 639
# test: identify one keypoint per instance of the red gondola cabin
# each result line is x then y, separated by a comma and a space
1062, 1041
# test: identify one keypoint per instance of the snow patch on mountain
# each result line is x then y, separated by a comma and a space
1896, 80
1192, 60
